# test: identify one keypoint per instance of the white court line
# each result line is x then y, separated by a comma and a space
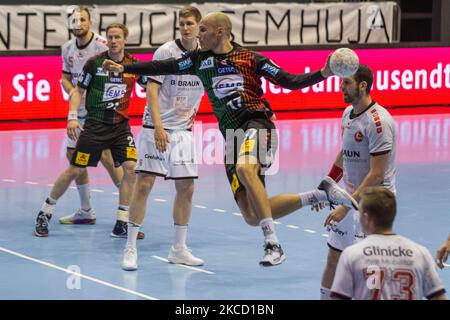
160, 200
309, 231
75, 188
325, 235
200, 206
447, 265
219, 210
107, 284
31, 182
183, 266
276, 222
97, 190
8, 180
292, 226
50, 185
237, 214
115, 193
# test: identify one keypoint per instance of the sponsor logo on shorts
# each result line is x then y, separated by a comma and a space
247, 147
208, 63
114, 91
234, 183
153, 157
359, 136
131, 153
226, 85
82, 158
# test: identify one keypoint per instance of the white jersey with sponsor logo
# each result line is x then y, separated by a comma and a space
179, 95
370, 133
386, 267
74, 57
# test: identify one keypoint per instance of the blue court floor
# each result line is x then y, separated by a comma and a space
42, 268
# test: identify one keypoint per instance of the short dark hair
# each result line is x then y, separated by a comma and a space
82, 8
120, 26
364, 73
380, 204
190, 11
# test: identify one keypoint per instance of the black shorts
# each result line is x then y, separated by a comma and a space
97, 137
258, 137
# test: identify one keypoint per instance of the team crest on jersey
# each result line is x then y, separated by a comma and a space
208, 63
114, 91
101, 72
359, 136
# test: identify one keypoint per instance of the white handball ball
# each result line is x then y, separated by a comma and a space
344, 62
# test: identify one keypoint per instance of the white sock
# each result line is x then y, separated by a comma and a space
325, 293
312, 197
48, 206
122, 213
85, 196
133, 230
268, 229
180, 236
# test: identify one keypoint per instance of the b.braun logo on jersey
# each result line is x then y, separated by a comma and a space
114, 91
225, 85
208, 63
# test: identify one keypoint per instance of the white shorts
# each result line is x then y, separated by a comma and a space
346, 232
177, 162
71, 143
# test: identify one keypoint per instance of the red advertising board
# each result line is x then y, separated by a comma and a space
30, 86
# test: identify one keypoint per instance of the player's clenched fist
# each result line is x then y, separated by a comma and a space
109, 65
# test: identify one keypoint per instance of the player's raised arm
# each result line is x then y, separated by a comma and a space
272, 72
152, 68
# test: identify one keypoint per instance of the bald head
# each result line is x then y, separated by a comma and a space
218, 20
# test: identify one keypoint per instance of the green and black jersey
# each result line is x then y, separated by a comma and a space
107, 93
232, 80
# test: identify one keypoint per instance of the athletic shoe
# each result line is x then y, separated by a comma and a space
183, 255
129, 262
121, 231
273, 256
41, 229
336, 195
79, 217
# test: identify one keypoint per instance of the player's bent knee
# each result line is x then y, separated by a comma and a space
74, 172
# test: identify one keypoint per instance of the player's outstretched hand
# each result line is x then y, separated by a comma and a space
442, 253
72, 127
326, 70
109, 65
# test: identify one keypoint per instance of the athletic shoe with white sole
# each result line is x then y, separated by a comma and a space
336, 195
79, 217
183, 255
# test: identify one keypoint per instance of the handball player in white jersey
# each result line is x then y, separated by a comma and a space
75, 53
367, 158
166, 144
385, 266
